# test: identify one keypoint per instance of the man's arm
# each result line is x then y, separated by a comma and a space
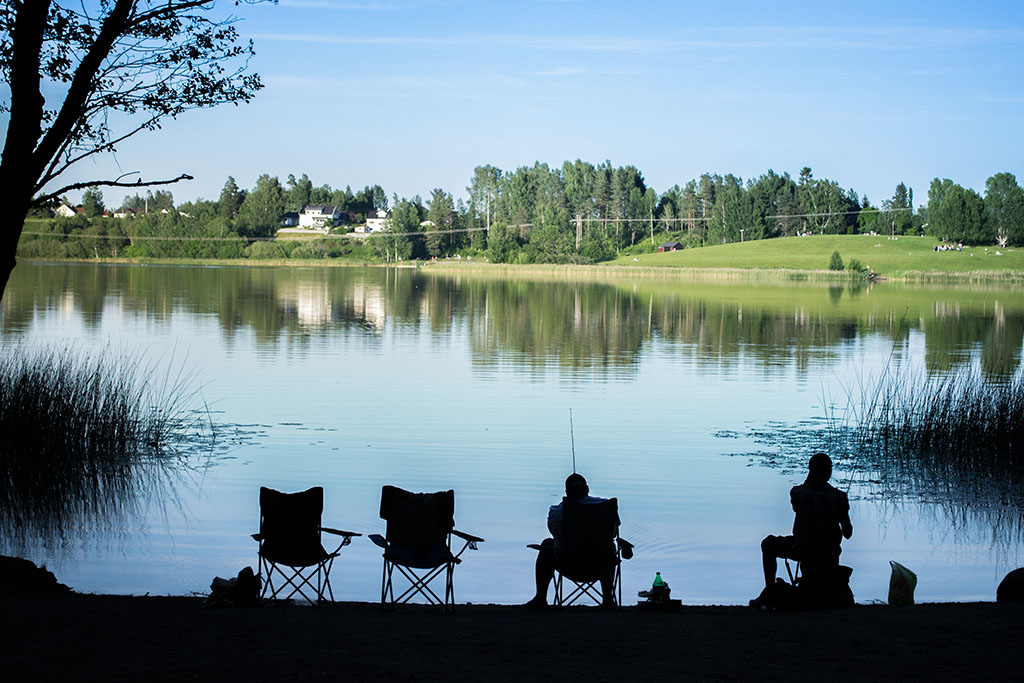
555, 521
844, 518
846, 524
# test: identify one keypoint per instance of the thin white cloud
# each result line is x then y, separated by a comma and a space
1002, 99
710, 39
329, 5
386, 85
561, 71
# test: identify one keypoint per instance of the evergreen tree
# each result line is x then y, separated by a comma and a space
230, 199
836, 262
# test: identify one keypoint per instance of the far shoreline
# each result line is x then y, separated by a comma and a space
597, 271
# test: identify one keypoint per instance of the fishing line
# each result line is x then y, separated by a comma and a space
572, 442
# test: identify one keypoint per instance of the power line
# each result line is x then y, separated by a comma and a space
424, 233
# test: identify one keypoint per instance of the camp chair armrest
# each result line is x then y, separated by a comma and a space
535, 546
467, 537
625, 548
378, 540
257, 537
338, 532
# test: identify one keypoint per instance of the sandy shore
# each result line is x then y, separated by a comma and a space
98, 637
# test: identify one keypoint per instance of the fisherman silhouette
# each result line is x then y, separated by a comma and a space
822, 521
548, 556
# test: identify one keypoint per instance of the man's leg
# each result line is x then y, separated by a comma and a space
544, 571
772, 548
608, 588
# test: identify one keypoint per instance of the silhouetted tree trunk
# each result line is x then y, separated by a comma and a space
146, 59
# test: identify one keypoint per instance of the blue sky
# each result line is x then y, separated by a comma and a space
412, 95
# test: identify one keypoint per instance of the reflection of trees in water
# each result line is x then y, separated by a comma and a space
574, 327
546, 323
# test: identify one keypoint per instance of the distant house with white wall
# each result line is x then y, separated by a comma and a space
290, 219
376, 221
319, 217
65, 211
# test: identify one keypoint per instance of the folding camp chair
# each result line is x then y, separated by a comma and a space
418, 542
291, 555
590, 546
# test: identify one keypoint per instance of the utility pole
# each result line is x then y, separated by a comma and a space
579, 231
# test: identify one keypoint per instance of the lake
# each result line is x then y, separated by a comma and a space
694, 402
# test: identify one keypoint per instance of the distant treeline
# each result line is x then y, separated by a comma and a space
578, 213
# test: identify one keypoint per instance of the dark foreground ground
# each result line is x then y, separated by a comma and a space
95, 637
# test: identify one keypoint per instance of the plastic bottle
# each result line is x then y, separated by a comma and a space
658, 581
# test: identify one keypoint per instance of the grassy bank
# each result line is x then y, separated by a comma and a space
910, 258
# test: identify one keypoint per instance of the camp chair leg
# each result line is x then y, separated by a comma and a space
586, 589
387, 595
449, 588
419, 584
617, 588
794, 577
314, 587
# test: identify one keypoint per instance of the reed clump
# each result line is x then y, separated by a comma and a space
83, 434
956, 431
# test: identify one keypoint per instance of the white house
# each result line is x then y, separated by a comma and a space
65, 211
319, 217
290, 219
376, 220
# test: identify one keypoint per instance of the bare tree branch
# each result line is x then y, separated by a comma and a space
108, 183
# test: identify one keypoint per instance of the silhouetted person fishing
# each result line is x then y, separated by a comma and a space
602, 563
822, 521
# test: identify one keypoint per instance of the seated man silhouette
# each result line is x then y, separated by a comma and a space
822, 521
576, 489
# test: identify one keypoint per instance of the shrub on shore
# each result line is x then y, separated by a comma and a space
836, 262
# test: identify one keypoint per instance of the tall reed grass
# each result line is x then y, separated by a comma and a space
83, 434
956, 440
956, 425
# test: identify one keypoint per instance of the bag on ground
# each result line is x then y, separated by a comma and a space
902, 583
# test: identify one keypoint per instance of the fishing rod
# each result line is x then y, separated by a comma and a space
572, 441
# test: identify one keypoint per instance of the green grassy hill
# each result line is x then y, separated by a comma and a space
894, 258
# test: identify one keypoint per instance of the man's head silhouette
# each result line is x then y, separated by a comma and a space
820, 468
576, 486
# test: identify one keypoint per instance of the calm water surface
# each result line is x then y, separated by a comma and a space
688, 402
